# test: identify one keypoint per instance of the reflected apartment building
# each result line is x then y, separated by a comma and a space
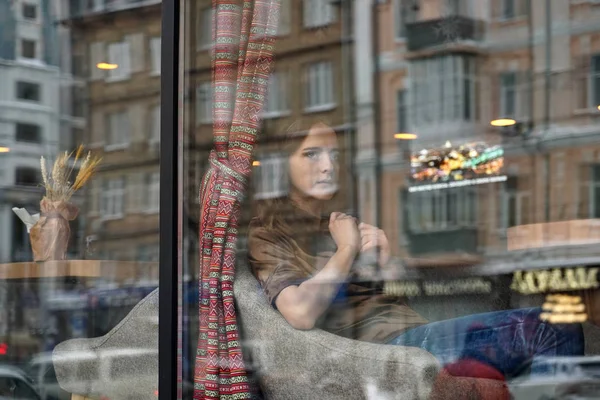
449, 68
116, 47
35, 113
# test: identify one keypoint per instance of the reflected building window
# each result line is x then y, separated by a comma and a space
318, 13
29, 11
277, 98
28, 91
120, 55
508, 96
204, 29
514, 95
204, 103
119, 128
155, 55
29, 133
516, 204
285, 18
442, 209
319, 87
155, 126
510, 9
113, 198
97, 55
28, 49
27, 176
153, 192
270, 176
401, 115
442, 90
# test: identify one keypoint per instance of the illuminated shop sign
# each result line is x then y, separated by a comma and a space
555, 280
452, 166
438, 288
563, 309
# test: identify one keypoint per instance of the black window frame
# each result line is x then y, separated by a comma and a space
26, 86
26, 9
32, 55
21, 130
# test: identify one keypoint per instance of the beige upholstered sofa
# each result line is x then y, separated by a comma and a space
289, 364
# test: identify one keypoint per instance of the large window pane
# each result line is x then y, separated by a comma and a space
79, 233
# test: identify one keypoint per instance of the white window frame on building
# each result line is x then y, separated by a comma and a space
439, 210
204, 29
119, 53
508, 94
319, 87
270, 176
155, 126
285, 18
204, 103
119, 127
318, 13
277, 103
516, 204
153, 188
112, 201
155, 55
439, 93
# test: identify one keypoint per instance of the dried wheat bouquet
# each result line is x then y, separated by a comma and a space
59, 182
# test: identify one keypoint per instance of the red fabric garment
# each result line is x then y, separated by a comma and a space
242, 59
469, 379
471, 368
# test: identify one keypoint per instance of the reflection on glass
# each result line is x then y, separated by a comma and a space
78, 196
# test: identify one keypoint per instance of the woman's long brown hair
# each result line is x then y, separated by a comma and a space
272, 212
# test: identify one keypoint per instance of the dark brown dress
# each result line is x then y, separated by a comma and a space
299, 245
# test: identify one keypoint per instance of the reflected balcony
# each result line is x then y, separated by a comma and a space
463, 240
441, 32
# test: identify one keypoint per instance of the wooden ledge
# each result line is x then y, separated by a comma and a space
116, 270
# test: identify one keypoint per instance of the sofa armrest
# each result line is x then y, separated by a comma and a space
318, 364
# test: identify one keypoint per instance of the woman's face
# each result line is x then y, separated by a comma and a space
314, 165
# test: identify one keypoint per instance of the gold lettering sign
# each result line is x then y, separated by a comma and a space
563, 309
438, 288
556, 280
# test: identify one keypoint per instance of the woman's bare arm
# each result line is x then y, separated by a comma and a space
302, 305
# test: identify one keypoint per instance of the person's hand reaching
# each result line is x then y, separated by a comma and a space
371, 238
344, 231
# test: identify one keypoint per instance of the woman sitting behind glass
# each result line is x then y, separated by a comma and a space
302, 251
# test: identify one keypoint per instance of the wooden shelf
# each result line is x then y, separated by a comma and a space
114, 270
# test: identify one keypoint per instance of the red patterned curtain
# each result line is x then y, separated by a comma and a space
243, 41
